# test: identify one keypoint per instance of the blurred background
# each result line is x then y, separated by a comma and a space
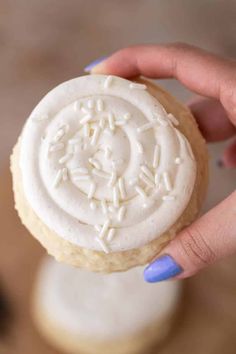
43, 43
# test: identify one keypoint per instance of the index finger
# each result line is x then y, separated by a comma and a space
198, 70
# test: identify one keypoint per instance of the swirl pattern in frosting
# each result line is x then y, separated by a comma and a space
104, 165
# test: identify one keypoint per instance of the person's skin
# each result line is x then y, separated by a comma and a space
212, 236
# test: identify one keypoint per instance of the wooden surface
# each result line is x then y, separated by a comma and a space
207, 319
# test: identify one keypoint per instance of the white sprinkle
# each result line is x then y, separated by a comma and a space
167, 181
76, 106
127, 116
41, 118
139, 147
65, 158
156, 179
120, 122
90, 104
57, 179
84, 110
111, 234
104, 206
64, 174
80, 170
86, 118
56, 147
146, 126
86, 130
121, 184
100, 105
97, 227
146, 180
112, 179
91, 190
93, 206
107, 82
74, 141
137, 86
178, 160
133, 181
173, 119
107, 152
81, 178
116, 200
104, 229
140, 191
95, 163
60, 133
121, 213
65, 127
111, 121
102, 123
147, 172
168, 197
100, 173
162, 122
111, 208
95, 136
102, 244
156, 156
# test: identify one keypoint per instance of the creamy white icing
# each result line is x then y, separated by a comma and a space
100, 150
103, 306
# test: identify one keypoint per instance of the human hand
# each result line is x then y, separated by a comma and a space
213, 236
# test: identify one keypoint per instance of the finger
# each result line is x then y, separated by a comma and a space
229, 156
212, 119
207, 240
200, 71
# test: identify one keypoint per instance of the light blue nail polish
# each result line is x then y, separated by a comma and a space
162, 268
89, 67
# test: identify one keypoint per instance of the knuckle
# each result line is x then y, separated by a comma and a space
196, 249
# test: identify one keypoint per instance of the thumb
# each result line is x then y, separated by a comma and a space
207, 240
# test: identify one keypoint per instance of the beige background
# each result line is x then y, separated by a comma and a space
45, 42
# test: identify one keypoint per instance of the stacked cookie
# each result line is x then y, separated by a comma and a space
105, 173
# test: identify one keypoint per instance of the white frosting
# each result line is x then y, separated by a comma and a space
103, 306
99, 153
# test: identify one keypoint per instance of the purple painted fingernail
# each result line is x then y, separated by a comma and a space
90, 66
162, 268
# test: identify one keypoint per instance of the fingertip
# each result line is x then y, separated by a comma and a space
99, 68
95, 65
163, 268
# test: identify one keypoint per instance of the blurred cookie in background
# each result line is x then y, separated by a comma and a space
83, 312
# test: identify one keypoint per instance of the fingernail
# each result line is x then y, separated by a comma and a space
162, 268
94, 63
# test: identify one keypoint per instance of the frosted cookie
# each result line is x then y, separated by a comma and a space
106, 171
85, 312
